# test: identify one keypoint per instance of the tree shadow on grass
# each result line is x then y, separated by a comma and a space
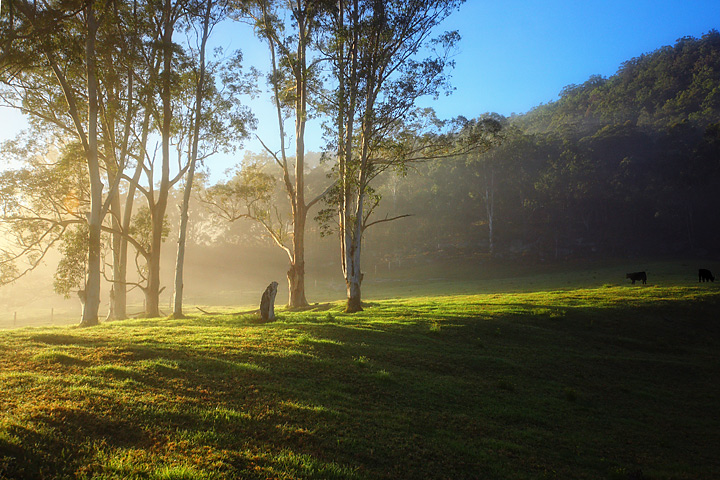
49, 448
64, 339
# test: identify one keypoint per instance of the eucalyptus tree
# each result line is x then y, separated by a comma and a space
374, 47
184, 209
134, 75
49, 65
165, 60
43, 203
487, 165
123, 120
125, 90
290, 29
163, 15
214, 120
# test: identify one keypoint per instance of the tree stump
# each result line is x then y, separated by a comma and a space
267, 303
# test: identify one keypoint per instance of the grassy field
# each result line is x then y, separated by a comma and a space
608, 381
37, 306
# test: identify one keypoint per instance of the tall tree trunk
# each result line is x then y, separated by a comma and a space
180, 258
296, 274
352, 247
296, 191
152, 291
490, 209
353, 277
347, 100
92, 284
157, 213
184, 210
118, 292
121, 282
130, 198
91, 293
118, 296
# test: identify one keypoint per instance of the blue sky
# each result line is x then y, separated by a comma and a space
515, 54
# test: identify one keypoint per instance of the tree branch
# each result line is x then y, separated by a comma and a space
386, 219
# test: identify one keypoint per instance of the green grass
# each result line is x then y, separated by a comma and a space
613, 382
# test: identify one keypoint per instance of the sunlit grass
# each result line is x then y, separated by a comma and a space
598, 382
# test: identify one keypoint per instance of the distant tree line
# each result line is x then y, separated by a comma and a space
625, 165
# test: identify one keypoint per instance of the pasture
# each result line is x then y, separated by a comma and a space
547, 380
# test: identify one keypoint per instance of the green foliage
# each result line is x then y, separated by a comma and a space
8, 270
248, 194
41, 202
141, 227
654, 91
70, 272
620, 165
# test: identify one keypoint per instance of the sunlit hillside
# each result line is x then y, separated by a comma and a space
611, 381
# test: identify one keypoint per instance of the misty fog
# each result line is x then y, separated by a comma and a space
602, 175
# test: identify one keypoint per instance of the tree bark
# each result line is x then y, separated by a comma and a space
89, 141
354, 302
118, 295
296, 273
347, 104
130, 199
490, 209
296, 283
296, 280
92, 284
353, 280
296, 190
118, 291
184, 210
180, 259
157, 212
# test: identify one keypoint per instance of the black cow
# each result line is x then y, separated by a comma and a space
704, 275
637, 276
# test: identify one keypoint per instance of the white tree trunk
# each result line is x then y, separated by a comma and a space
184, 210
92, 283
157, 212
490, 210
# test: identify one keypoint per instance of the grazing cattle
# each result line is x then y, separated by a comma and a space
637, 276
704, 275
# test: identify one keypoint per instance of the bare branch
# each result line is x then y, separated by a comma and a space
386, 219
312, 202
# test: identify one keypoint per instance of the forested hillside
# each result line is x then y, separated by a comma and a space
619, 166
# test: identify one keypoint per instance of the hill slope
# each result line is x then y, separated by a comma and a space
618, 166
657, 90
609, 382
